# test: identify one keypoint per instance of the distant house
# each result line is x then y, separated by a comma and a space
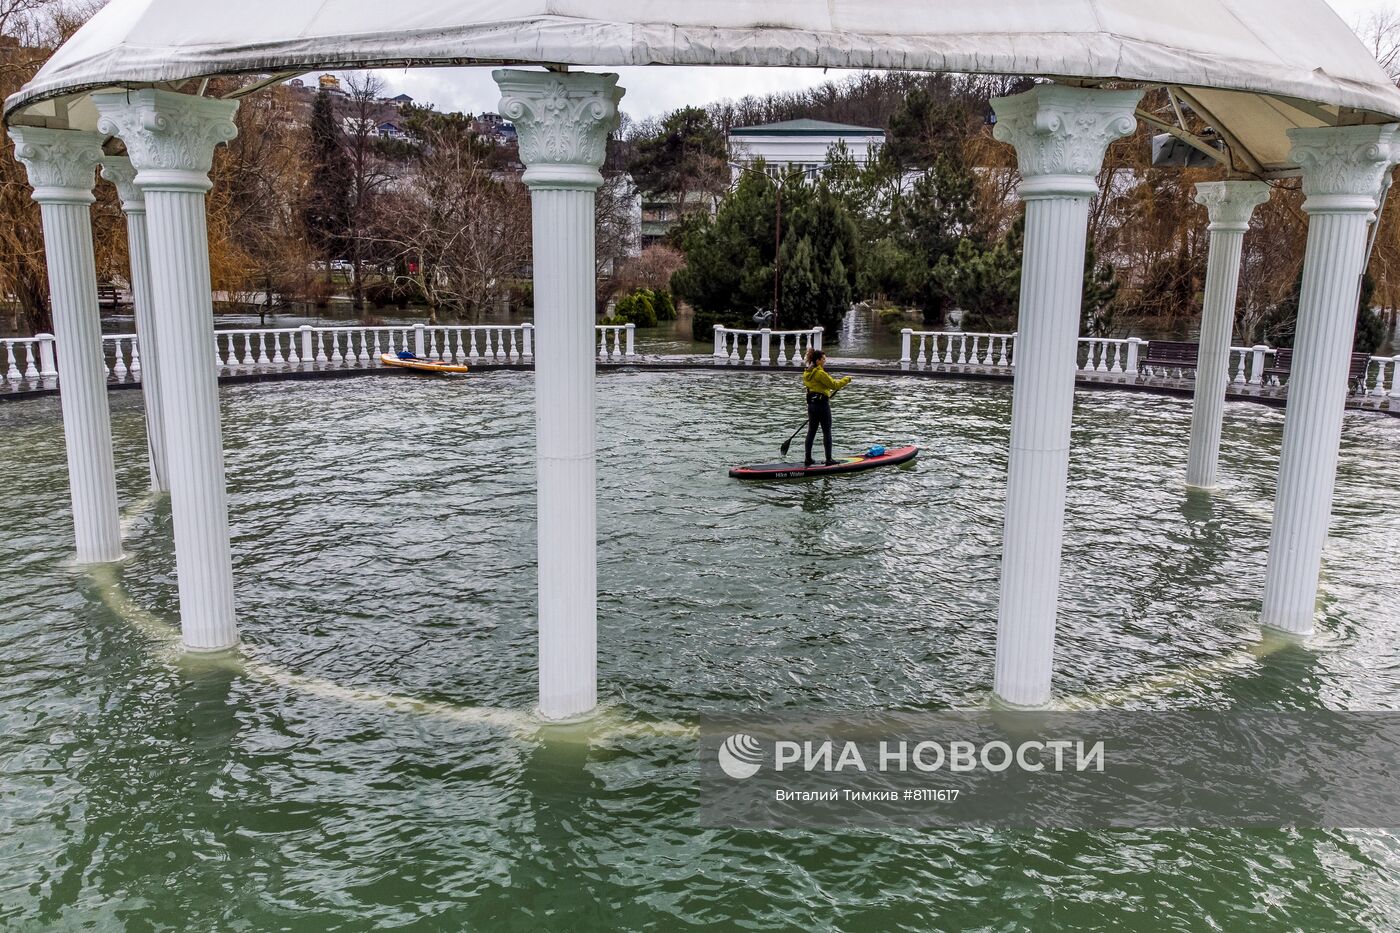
392, 131
401, 101
660, 211
800, 144
354, 126
494, 127
331, 85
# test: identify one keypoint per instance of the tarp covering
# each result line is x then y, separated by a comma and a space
1237, 49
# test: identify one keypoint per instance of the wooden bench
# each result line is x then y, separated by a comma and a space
108, 296
1172, 354
1283, 362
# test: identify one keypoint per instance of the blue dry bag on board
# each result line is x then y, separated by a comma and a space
407, 355
876, 451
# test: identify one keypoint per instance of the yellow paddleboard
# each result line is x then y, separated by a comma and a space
422, 366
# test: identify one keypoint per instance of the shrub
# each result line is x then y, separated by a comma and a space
665, 306
637, 308
895, 320
702, 326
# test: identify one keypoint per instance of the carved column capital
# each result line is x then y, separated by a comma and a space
1344, 166
1061, 134
1230, 204
170, 137
121, 173
61, 163
562, 121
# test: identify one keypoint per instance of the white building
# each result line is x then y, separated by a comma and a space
801, 144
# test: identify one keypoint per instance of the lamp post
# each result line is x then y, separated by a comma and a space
778, 185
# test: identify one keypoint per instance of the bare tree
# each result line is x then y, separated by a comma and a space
256, 251
1381, 33
29, 32
618, 217
369, 171
459, 231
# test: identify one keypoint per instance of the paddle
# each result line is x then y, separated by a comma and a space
788, 443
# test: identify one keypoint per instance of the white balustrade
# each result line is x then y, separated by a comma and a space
1382, 377
956, 348
765, 347
1103, 355
121, 358
616, 342
27, 362
30, 362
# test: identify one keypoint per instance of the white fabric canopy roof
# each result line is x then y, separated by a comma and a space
1254, 68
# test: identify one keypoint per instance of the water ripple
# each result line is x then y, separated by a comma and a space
383, 539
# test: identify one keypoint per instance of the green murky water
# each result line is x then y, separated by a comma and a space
383, 546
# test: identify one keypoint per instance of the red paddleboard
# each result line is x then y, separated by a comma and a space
891, 457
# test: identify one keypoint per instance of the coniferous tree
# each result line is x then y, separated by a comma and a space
326, 214
683, 156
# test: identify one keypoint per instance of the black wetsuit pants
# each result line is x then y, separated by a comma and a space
818, 415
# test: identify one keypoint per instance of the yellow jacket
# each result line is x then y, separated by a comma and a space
819, 380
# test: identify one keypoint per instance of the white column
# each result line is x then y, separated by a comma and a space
1229, 205
120, 172
1342, 172
62, 166
171, 138
1060, 135
563, 121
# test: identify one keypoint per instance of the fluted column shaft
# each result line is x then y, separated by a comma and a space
1060, 135
563, 122
170, 139
566, 451
1230, 204
62, 166
1343, 168
122, 173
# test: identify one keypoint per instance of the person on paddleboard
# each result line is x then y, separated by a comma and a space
820, 388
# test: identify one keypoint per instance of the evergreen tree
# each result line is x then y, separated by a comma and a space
929, 125
686, 155
326, 212
1370, 329
820, 259
985, 283
730, 271
938, 216
1097, 310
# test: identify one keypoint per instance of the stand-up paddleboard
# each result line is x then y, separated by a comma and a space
891, 457
421, 365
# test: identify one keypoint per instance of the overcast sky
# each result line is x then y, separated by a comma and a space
655, 90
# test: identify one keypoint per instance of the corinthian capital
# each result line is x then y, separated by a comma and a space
121, 173
1230, 204
1343, 166
1061, 134
170, 137
60, 163
563, 122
